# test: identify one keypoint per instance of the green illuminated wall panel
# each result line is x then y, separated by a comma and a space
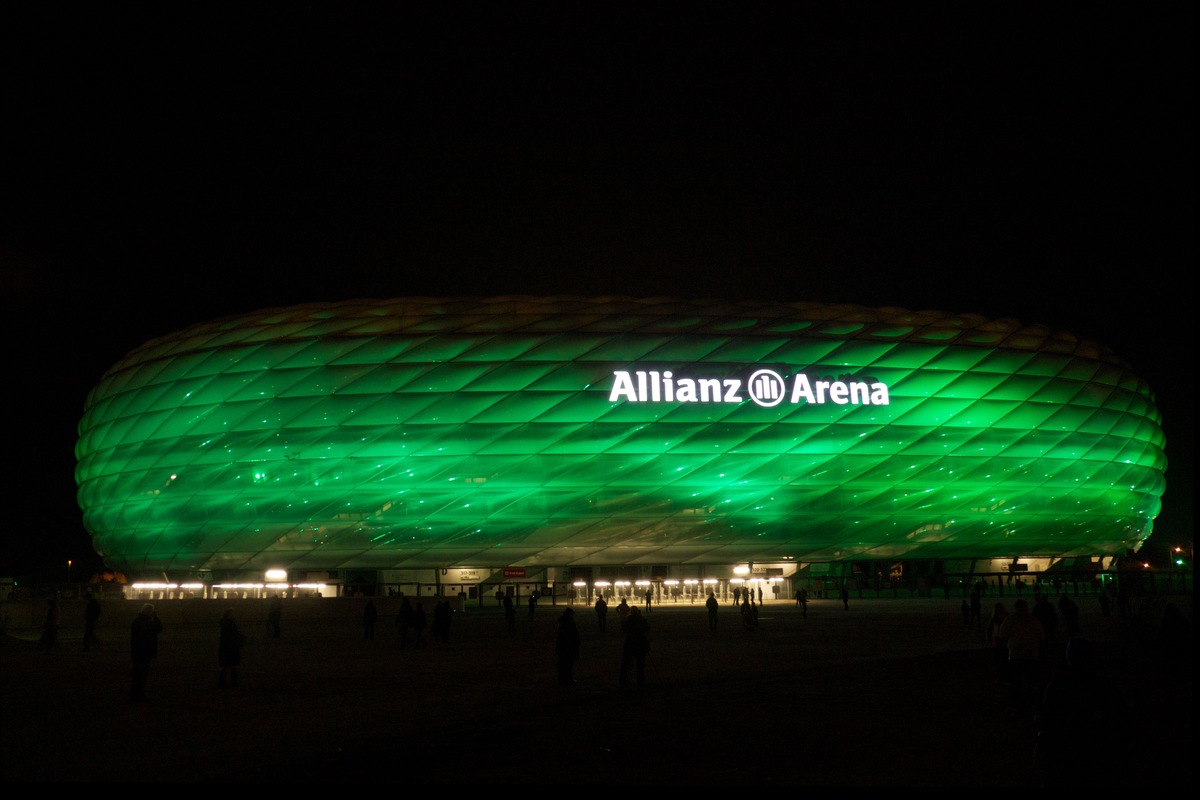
425, 432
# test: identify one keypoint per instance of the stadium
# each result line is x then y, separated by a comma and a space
570, 441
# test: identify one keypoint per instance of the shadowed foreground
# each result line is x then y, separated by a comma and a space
892, 692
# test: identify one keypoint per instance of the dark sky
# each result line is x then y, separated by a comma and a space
167, 164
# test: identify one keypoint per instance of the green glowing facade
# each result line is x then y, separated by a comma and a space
519, 431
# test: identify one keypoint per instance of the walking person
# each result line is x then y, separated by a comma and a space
996, 642
635, 647
566, 647
419, 625
91, 618
845, 598
404, 621
711, 604
976, 608
510, 613
274, 615
229, 650
1023, 636
143, 648
1070, 616
49, 636
370, 615
601, 613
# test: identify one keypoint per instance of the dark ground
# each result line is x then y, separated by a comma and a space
890, 693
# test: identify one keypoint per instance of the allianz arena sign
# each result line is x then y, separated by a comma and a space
765, 387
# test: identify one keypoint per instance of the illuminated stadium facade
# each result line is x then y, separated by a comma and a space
561, 434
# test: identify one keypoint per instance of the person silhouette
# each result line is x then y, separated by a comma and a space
419, 624
1069, 715
229, 650
274, 615
976, 608
601, 613
510, 613
566, 647
712, 605
369, 616
635, 647
404, 621
998, 647
143, 648
1023, 635
49, 636
1070, 616
845, 598
91, 618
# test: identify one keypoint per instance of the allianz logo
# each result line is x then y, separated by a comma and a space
765, 387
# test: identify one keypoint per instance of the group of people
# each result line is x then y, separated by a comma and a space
634, 649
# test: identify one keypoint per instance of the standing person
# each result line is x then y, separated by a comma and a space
510, 613
845, 598
566, 647
996, 641
91, 618
1070, 717
649, 599
737, 595
747, 616
623, 611
500, 597
804, 603
711, 605
143, 648
760, 594
370, 615
404, 620
1070, 615
532, 605
1043, 609
1023, 635
419, 624
229, 650
635, 647
442, 614
601, 613
274, 616
49, 626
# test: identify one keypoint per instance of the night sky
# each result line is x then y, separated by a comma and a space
168, 164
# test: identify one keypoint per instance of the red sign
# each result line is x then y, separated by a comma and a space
514, 572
